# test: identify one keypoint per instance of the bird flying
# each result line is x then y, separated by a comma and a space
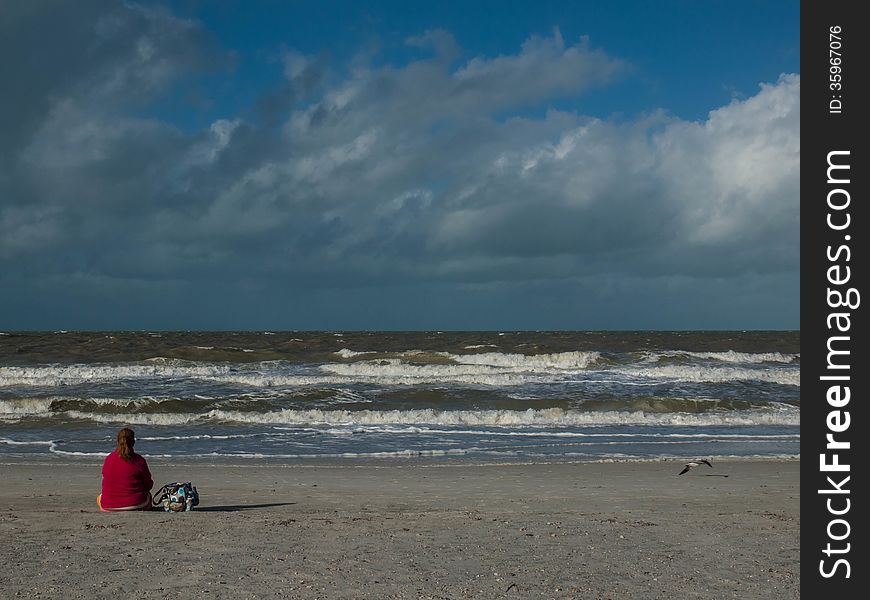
696, 463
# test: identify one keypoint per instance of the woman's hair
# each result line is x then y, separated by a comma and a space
126, 440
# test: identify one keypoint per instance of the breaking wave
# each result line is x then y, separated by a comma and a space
731, 356
414, 368
781, 415
715, 374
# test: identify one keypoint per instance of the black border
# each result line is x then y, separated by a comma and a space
821, 133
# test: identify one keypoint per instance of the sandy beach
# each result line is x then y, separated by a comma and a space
411, 530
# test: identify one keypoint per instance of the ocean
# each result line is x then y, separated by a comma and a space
418, 396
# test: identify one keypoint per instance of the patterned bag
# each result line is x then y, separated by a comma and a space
179, 496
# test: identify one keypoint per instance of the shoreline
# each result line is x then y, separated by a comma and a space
389, 461
459, 530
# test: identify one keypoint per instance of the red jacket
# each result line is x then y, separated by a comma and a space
125, 483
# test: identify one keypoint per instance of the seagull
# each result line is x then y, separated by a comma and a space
696, 463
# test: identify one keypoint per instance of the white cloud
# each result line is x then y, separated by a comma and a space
737, 174
217, 139
545, 68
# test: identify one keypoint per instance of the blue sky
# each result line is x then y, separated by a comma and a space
687, 57
395, 165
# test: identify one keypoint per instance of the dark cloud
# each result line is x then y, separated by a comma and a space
423, 176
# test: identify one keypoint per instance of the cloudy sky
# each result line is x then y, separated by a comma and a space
487, 165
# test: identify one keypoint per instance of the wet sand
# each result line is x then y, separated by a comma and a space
411, 530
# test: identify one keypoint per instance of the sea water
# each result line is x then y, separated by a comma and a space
306, 396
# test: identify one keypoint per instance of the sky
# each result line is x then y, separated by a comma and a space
399, 165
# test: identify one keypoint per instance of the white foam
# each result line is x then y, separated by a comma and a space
19, 443
490, 368
262, 375
204, 436
387, 372
385, 454
406, 368
781, 415
547, 433
134, 418
393, 371
571, 361
732, 356
346, 353
475, 346
58, 375
55, 450
783, 376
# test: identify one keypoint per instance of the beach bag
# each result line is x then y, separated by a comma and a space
179, 496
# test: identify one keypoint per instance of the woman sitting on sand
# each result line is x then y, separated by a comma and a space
126, 479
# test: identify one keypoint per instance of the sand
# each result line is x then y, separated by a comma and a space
411, 530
